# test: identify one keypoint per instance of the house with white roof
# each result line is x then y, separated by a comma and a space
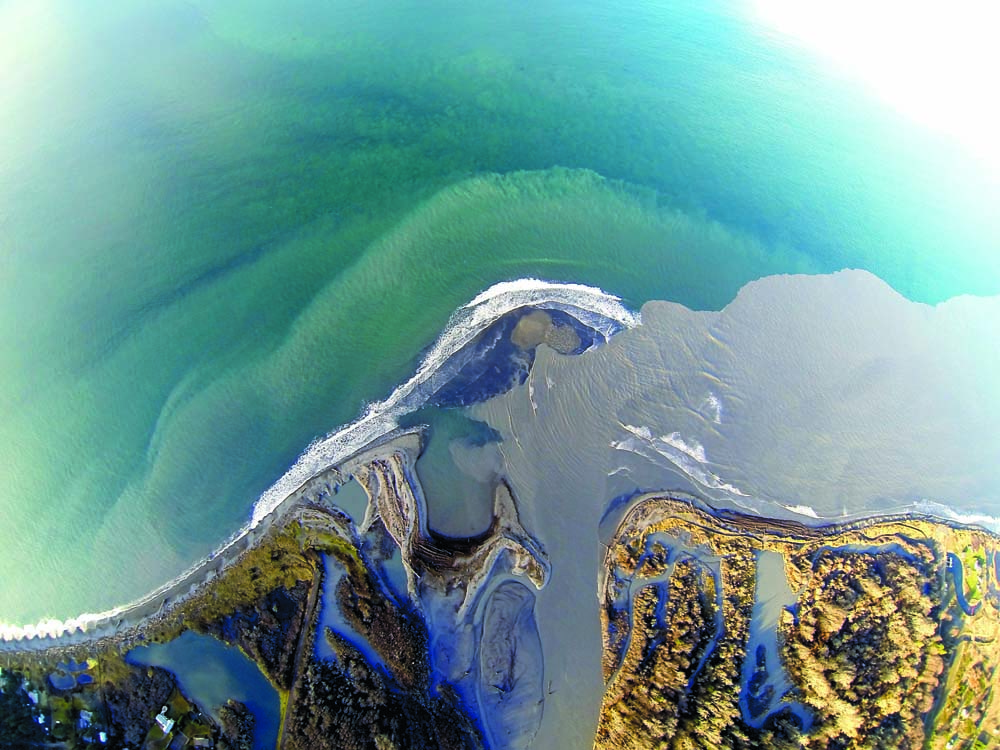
166, 725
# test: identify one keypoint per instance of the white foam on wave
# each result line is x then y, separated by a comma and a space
940, 510
86, 622
713, 406
802, 510
933, 509
531, 291
688, 457
694, 449
592, 306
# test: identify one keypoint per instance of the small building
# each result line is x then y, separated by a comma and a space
85, 718
165, 724
179, 742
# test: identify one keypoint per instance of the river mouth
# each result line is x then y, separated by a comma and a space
697, 585
706, 618
451, 370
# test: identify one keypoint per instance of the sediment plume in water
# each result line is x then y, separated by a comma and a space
814, 398
592, 307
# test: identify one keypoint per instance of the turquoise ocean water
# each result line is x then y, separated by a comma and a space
225, 227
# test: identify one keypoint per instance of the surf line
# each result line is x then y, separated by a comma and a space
592, 306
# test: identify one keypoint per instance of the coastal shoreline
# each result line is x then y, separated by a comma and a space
320, 467
323, 457
122, 628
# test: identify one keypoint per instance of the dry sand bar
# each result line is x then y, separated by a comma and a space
121, 623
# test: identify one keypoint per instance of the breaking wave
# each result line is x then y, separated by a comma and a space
591, 306
688, 457
595, 308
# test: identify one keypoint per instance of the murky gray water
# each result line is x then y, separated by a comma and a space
790, 402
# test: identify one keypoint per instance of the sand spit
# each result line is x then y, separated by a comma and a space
316, 469
125, 625
464, 565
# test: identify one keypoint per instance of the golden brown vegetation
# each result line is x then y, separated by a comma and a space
865, 652
877, 648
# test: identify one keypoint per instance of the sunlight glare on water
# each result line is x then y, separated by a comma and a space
937, 63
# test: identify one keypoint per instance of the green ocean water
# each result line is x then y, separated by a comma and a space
225, 227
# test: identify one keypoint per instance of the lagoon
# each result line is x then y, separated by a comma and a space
209, 673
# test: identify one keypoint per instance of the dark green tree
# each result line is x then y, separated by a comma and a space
18, 727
